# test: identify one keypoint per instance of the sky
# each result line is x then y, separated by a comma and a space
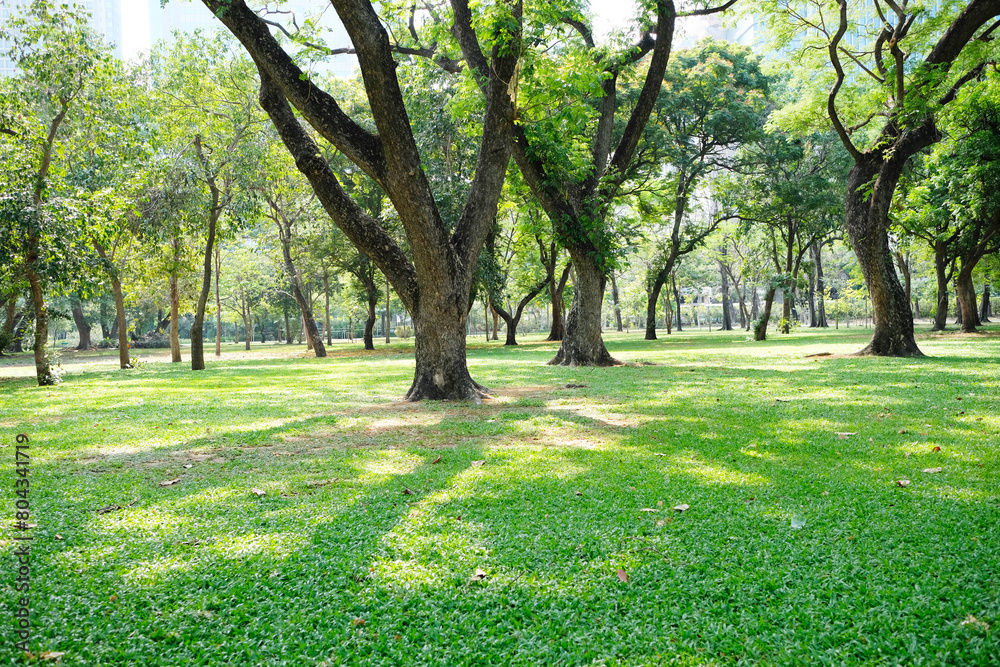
611, 14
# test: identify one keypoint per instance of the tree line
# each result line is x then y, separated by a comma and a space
497, 154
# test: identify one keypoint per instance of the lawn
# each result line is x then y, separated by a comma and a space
798, 544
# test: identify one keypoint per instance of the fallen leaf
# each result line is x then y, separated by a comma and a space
51, 655
622, 576
322, 482
647, 509
358, 622
933, 470
658, 454
479, 463
903, 482
659, 503
407, 492
109, 508
478, 576
59, 537
188, 465
974, 623
258, 492
936, 449
579, 493
902, 430
682, 507
437, 460
661, 523
170, 482
958, 398
843, 435
825, 493
112, 598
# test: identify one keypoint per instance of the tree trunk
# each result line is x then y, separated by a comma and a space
583, 344
556, 288
817, 253
43, 370
904, 267
370, 322
786, 310
614, 298
82, 326
512, 320
441, 370
984, 305
218, 303
967, 298
677, 299
727, 322
175, 337
120, 325
387, 316
288, 328
198, 326
866, 214
305, 305
760, 330
326, 321
943, 276
651, 300
812, 300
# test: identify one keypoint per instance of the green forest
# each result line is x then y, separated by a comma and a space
529, 343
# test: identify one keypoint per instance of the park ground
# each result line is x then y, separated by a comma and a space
277, 509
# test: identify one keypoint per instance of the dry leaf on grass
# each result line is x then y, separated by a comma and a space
188, 465
170, 482
648, 509
437, 460
932, 470
903, 482
358, 622
622, 576
975, 624
682, 507
479, 463
843, 435
478, 576
936, 449
51, 655
260, 493
407, 492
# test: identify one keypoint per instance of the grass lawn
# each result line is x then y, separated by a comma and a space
798, 545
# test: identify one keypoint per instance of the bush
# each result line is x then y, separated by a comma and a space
403, 331
151, 341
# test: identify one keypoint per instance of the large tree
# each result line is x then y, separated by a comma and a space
906, 71
435, 284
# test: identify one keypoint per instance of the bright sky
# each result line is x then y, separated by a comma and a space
135, 21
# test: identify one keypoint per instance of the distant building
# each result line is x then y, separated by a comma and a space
105, 17
186, 16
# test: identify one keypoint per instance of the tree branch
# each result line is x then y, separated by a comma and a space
831, 105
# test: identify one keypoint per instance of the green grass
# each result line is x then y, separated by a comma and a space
373, 567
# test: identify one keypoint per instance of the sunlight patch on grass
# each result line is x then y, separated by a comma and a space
276, 545
713, 474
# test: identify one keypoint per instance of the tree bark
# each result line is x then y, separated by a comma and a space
584, 344
557, 331
967, 299
943, 270
817, 253
677, 298
326, 294
651, 300
727, 322
175, 338
904, 267
198, 326
760, 329
82, 326
614, 298
984, 305
43, 369
512, 320
305, 305
370, 322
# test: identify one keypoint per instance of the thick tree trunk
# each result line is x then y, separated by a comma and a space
984, 305
441, 369
583, 344
904, 267
175, 335
82, 326
198, 326
122, 328
967, 299
817, 253
760, 329
786, 310
614, 298
866, 212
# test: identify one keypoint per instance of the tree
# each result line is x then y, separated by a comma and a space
891, 82
53, 109
714, 102
210, 113
435, 285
